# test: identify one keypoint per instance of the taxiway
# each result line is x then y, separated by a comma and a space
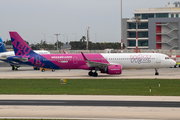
28, 72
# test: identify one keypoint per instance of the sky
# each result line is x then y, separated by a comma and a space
37, 20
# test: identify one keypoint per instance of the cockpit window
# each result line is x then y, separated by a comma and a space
167, 58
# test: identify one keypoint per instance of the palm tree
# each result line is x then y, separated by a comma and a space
83, 39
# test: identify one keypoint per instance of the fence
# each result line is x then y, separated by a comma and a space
167, 52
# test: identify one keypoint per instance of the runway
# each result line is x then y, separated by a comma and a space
90, 103
89, 107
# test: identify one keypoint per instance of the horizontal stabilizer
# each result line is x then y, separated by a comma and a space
4, 56
21, 59
11, 62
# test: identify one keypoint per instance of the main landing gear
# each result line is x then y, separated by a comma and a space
156, 72
36, 68
95, 74
14, 67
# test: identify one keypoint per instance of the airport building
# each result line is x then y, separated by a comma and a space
158, 28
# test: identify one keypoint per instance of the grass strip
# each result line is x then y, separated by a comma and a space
167, 87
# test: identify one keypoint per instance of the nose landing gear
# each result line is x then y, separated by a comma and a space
156, 72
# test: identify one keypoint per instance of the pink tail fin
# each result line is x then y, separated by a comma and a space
19, 45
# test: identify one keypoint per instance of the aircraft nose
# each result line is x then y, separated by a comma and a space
173, 62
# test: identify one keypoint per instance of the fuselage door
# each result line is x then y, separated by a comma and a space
75, 60
158, 59
38, 60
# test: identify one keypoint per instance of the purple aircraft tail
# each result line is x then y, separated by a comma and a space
20, 46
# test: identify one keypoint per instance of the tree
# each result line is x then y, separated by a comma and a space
83, 39
77, 45
8, 42
59, 44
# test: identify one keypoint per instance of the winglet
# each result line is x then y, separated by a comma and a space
64, 52
85, 58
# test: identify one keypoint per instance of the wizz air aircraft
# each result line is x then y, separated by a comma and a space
4, 54
105, 63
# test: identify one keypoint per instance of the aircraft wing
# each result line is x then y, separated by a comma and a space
94, 64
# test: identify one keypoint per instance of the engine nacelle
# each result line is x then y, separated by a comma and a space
113, 69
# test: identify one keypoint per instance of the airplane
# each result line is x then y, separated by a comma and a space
109, 63
2, 46
15, 65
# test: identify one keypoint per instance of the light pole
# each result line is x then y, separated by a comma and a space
57, 39
95, 37
87, 38
67, 37
75, 36
52, 38
121, 30
64, 41
137, 20
44, 37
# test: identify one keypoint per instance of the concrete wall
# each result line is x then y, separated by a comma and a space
79, 51
167, 52
152, 33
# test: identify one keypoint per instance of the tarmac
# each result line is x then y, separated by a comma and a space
89, 112
28, 72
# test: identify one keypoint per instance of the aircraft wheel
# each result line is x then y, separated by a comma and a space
156, 73
53, 70
42, 70
90, 73
12, 67
95, 74
36, 68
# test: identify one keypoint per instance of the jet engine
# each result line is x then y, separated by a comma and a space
112, 69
